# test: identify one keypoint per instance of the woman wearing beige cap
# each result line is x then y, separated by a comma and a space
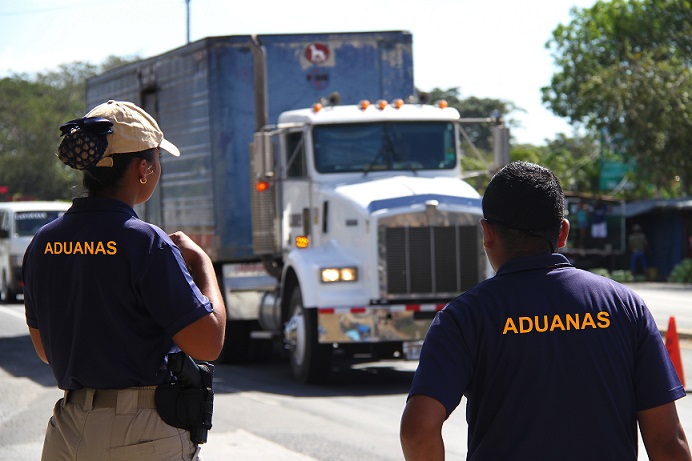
109, 296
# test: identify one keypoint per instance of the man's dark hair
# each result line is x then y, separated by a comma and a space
526, 203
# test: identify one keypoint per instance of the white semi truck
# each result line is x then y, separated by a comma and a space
343, 228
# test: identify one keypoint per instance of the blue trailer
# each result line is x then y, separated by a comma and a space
203, 96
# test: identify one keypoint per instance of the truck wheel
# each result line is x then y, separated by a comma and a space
310, 360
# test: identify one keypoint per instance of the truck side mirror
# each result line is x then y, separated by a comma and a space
501, 146
4, 233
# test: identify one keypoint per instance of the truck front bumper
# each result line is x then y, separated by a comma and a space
375, 324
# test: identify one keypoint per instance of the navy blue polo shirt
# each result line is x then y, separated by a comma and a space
107, 292
554, 361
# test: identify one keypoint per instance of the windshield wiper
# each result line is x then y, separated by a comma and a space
369, 166
386, 148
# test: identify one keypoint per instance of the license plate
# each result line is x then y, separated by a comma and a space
412, 350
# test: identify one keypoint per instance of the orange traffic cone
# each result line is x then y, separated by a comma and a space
673, 347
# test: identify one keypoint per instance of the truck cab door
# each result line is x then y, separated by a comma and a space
297, 190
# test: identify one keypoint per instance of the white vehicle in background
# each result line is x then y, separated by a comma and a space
19, 221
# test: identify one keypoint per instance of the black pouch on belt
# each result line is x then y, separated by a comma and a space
187, 403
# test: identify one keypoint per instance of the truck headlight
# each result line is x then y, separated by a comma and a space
339, 274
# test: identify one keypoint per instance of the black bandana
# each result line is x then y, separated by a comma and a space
85, 141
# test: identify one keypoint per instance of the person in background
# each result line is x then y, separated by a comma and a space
555, 362
109, 296
582, 214
638, 246
599, 224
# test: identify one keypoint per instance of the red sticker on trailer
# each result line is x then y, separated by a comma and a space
317, 53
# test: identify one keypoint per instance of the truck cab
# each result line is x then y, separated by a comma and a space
362, 210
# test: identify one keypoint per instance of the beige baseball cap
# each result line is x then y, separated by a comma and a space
134, 130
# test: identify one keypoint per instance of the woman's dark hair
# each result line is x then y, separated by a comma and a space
97, 180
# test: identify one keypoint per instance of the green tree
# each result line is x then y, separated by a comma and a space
478, 143
31, 111
575, 161
32, 108
472, 108
625, 69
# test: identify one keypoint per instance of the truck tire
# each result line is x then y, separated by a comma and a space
310, 360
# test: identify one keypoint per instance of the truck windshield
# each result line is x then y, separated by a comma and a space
27, 223
384, 146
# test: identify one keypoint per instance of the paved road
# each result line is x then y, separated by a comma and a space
668, 300
263, 415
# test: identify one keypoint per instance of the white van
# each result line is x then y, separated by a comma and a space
19, 221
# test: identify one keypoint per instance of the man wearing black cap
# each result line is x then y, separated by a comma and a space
555, 362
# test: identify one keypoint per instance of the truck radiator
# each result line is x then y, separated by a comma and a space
431, 261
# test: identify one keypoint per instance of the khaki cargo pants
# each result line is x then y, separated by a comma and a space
113, 425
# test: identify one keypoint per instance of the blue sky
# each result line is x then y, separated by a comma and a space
488, 48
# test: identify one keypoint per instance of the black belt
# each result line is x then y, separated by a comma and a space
108, 398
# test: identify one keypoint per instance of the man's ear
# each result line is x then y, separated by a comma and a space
488, 234
564, 232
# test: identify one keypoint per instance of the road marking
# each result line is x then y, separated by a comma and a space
250, 395
14, 313
241, 444
259, 398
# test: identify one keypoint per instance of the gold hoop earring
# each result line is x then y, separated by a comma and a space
142, 180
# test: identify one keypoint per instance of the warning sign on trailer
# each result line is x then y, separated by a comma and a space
317, 53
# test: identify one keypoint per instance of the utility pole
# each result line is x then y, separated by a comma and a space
187, 2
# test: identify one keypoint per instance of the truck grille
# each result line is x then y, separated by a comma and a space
430, 261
